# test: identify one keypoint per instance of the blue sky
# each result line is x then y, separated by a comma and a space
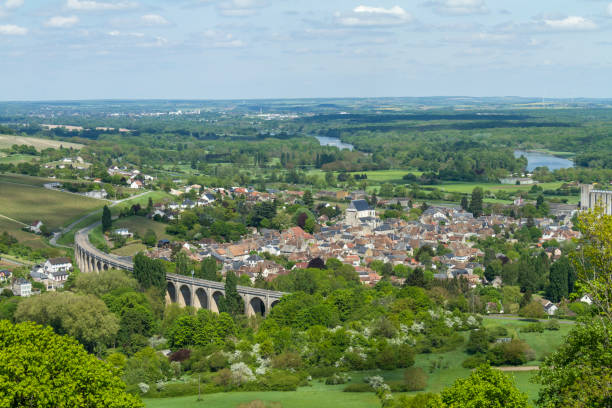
233, 49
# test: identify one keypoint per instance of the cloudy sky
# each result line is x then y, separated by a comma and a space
221, 49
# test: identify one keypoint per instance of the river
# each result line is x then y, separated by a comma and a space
537, 159
333, 141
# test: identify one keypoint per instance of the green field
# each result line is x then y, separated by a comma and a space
28, 203
467, 187
140, 225
40, 144
27, 238
130, 249
17, 158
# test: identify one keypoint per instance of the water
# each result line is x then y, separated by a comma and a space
333, 141
535, 159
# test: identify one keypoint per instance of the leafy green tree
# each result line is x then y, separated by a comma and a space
465, 205
476, 206
579, 373
478, 342
560, 275
231, 303
39, 368
150, 238
83, 317
208, 270
149, 272
308, 200
104, 282
107, 221
533, 310
485, 387
182, 264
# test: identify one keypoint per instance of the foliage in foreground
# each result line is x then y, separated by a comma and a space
39, 368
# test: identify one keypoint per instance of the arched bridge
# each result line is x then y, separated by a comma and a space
184, 290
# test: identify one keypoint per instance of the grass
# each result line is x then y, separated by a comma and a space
23, 179
467, 187
130, 249
29, 203
140, 225
17, 158
321, 395
40, 144
27, 238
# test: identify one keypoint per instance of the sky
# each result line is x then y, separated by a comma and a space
249, 49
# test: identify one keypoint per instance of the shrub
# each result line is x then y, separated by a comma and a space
478, 342
516, 352
358, 388
497, 331
320, 372
287, 360
474, 361
217, 361
533, 328
223, 378
337, 378
279, 381
180, 355
553, 324
415, 379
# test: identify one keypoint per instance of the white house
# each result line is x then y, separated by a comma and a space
136, 184
36, 226
123, 232
586, 299
22, 287
58, 264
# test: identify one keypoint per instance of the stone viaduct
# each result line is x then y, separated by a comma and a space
184, 290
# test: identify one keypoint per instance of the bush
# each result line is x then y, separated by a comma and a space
553, 324
217, 361
497, 331
279, 381
533, 328
478, 342
358, 388
180, 355
474, 361
516, 352
320, 372
415, 379
337, 378
287, 360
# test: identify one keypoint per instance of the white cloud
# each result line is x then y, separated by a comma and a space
12, 4
61, 22
374, 16
571, 23
240, 8
91, 5
11, 29
216, 39
610, 9
458, 7
153, 19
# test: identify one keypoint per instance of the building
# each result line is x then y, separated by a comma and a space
516, 180
36, 226
22, 287
58, 265
591, 198
123, 232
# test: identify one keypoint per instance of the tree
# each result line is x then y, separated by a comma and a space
579, 373
104, 282
150, 238
308, 200
83, 317
107, 221
208, 270
533, 310
465, 205
182, 264
232, 302
485, 387
478, 342
39, 368
560, 275
149, 272
476, 202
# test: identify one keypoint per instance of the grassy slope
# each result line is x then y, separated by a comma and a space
39, 144
140, 225
321, 395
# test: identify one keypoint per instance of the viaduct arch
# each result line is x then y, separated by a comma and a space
183, 290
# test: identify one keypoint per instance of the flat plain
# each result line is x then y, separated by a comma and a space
40, 144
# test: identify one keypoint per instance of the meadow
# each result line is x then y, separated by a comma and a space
317, 394
7, 141
27, 203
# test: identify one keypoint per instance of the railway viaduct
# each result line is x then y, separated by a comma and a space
184, 290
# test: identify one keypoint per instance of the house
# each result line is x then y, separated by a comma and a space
36, 226
5, 275
57, 265
136, 184
59, 276
22, 287
586, 299
357, 210
516, 180
123, 232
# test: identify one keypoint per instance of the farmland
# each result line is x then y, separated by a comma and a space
27, 203
40, 144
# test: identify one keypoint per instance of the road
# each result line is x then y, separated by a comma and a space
57, 235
